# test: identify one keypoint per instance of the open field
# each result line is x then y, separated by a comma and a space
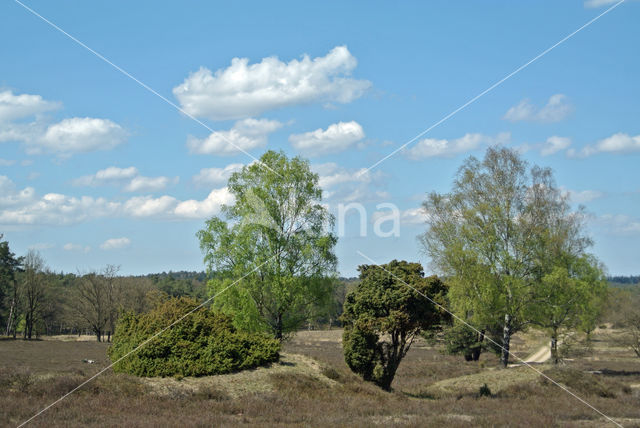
312, 386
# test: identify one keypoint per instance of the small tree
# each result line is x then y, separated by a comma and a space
460, 339
627, 317
33, 291
9, 266
570, 297
383, 316
90, 303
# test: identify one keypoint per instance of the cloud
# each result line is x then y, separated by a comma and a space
115, 243
330, 175
148, 184
41, 246
107, 175
556, 109
6, 162
25, 208
619, 224
245, 134
584, 196
243, 90
76, 247
617, 143
336, 138
347, 185
599, 3
13, 107
206, 208
216, 176
9, 196
64, 138
554, 144
430, 147
78, 135
413, 216
148, 206
129, 178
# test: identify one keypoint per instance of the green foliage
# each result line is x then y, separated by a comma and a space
9, 266
496, 236
384, 314
575, 290
203, 343
461, 339
277, 242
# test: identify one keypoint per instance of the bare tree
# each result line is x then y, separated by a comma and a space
628, 314
113, 291
90, 303
32, 290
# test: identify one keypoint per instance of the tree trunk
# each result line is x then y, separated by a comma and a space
278, 332
506, 339
10, 319
475, 355
554, 345
98, 335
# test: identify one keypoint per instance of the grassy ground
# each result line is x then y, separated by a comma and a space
311, 386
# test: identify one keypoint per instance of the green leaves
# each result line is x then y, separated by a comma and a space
497, 238
203, 343
383, 315
278, 225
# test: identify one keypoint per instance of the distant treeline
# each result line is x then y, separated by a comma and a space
623, 281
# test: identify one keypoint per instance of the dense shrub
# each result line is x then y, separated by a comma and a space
203, 343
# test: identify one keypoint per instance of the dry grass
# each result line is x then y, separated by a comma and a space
247, 382
311, 386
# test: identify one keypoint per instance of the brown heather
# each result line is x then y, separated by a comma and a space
312, 386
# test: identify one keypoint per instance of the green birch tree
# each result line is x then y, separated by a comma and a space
275, 247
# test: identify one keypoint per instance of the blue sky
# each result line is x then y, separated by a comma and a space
96, 170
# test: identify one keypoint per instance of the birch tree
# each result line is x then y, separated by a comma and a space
491, 237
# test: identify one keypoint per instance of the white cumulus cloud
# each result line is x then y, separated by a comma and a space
107, 175
245, 135
583, 196
348, 185
554, 144
336, 138
243, 90
413, 216
21, 121
599, 3
78, 135
14, 107
147, 206
115, 243
205, 208
216, 176
129, 178
556, 109
25, 208
148, 184
617, 143
76, 247
431, 147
